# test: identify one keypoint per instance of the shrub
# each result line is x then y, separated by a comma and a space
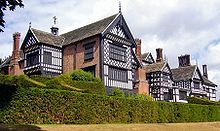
141, 97
20, 81
65, 82
80, 75
42, 79
116, 92
203, 101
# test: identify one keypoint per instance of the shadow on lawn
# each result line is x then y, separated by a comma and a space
4, 127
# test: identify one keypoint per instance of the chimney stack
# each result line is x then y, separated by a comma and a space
16, 41
138, 49
205, 71
159, 52
14, 68
184, 60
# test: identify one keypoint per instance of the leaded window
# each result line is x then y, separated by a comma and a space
47, 57
117, 52
32, 59
118, 74
88, 53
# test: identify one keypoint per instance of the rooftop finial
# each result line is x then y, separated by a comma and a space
119, 6
54, 20
29, 25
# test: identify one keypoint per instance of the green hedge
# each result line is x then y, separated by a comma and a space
78, 80
202, 101
45, 106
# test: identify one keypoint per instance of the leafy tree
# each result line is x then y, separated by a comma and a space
1, 61
5, 5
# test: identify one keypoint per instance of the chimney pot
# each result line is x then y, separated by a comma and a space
184, 60
159, 52
205, 71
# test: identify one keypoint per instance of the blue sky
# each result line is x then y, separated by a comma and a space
178, 26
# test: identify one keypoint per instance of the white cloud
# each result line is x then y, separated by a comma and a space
180, 27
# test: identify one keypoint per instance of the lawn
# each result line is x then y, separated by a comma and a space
204, 126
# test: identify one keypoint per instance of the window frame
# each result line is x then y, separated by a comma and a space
32, 59
89, 51
117, 52
47, 57
118, 74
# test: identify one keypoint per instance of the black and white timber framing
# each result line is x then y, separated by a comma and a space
41, 58
119, 61
189, 81
160, 81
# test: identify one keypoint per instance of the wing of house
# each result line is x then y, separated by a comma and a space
104, 48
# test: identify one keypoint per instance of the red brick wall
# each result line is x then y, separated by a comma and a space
73, 56
142, 86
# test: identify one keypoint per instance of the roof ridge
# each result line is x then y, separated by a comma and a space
41, 31
90, 24
184, 67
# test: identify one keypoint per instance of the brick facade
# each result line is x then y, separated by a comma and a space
73, 56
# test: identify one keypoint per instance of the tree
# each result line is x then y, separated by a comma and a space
5, 5
1, 61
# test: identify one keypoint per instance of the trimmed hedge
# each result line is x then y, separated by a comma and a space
46, 106
86, 83
202, 101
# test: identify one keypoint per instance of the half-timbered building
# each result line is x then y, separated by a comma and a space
42, 53
159, 77
105, 48
188, 78
108, 50
208, 85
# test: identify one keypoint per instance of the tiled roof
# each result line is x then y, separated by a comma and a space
88, 30
154, 67
208, 82
48, 38
75, 35
183, 73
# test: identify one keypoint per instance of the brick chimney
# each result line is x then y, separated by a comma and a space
14, 68
184, 60
205, 71
138, 49
159, 52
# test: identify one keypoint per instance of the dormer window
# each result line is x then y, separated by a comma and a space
89, 50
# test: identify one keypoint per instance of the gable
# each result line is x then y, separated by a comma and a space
119, 31
166, 69
197, 74
120, 28
148, 58
29, 40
